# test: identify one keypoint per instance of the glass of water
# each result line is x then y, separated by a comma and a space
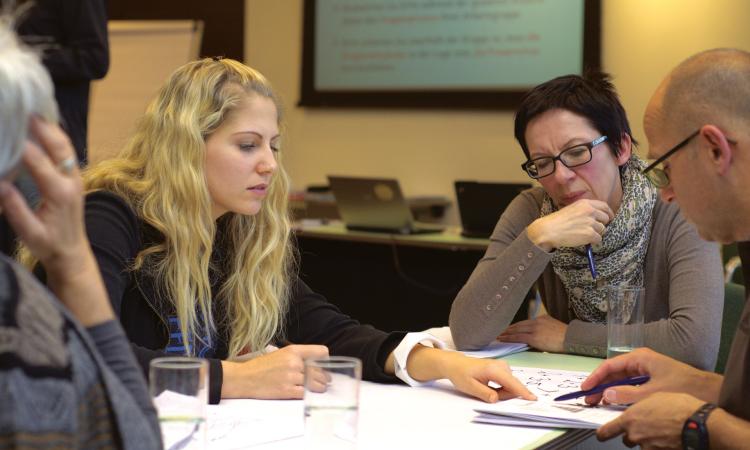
179, 389
332, 402
624, 319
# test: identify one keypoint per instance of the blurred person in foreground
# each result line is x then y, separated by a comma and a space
68, 379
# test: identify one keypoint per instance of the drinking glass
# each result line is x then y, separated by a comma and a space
624, 319
332, 402
179, 388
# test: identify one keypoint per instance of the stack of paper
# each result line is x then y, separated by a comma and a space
547, 384
547, 414
495, 349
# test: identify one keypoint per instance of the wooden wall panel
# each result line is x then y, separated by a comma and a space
142, 55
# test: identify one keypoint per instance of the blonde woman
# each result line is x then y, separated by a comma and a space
189, 225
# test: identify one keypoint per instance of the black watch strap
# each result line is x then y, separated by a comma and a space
695, 432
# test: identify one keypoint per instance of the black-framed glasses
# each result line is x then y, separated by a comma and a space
575, 156
656, 175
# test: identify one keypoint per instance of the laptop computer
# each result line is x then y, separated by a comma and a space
481, 204
375, 204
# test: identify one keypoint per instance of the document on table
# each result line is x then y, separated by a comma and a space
495, 349
238, 424
545, 412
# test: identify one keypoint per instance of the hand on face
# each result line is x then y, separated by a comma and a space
655, 422
472, 375
54, 233
276, 375
543, 333
577, 224
666, 374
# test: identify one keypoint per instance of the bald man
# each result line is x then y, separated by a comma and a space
698, 129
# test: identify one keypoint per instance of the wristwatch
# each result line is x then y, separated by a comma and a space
695, 432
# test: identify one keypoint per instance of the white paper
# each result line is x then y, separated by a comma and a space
550, 383
508, 421
169, 401
238, 424
495, 349
547, 384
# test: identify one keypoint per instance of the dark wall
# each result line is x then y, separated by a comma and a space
224, 20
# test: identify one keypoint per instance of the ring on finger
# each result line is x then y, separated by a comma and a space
67, 165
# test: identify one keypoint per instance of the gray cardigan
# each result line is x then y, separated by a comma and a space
682, 277
62, 386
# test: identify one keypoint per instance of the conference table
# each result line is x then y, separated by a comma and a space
400, 417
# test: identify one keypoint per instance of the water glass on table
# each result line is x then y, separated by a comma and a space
625, 306
332, 402
179, 388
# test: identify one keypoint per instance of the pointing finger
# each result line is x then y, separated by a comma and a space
511, 384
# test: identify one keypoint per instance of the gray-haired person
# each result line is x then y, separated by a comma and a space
67, 376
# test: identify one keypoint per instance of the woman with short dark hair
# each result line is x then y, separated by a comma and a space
576, 137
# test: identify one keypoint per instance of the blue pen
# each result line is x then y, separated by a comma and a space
632, 381
590, 256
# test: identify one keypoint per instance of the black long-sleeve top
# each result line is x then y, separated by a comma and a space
117, 235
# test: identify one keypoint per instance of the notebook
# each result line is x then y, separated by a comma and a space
375, 204
481, 204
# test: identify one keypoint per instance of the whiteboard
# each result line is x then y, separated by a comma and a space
142, 55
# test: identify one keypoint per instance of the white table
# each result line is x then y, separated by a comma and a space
391, 417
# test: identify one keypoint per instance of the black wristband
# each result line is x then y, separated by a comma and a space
695, 432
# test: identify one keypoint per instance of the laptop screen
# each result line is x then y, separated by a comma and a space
480, 205
374, 204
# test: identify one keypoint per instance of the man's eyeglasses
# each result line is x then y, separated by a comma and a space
571, 157
656, 175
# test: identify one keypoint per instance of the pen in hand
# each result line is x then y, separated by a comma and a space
631, 381
590, 256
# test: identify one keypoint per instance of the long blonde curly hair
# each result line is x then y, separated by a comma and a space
160, 173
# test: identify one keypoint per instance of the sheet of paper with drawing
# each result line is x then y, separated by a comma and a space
545, 412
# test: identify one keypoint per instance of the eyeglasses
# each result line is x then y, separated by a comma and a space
570, 157
656, 175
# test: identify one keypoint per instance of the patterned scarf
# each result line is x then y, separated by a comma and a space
619, 258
